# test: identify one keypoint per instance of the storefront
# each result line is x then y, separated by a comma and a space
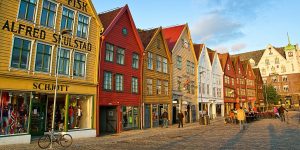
153, 114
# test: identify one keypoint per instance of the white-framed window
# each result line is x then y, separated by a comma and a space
179, 62
135, 61
48, 15
43, 57
150, 61
149, 86
63, 59
83, 26
79, 65
158, 87
165, 65
27, 10
285, 88
179, 83
119, 82
20, 57
67, 19
192, 68
107, 80
109, 52
134, 85
158, 63
192, 87
284, 79
120, 56
228, 67
188, 67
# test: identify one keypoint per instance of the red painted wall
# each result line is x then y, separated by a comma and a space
231, 74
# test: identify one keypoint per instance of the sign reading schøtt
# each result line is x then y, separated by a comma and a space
50, 87
41, 34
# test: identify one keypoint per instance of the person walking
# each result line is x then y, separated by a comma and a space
276, 112
241, 116
281, 113
180, 118
165, 119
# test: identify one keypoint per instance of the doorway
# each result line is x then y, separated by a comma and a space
108, 119
38, 115
147, 116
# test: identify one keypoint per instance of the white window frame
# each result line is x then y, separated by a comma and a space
51, 59
70, 59
88, 29
86, 57
35, 13
75, 13
56, 14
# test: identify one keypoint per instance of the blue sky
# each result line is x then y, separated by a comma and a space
226, 25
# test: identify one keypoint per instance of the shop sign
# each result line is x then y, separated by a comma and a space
41, 34
50, 87
78, 4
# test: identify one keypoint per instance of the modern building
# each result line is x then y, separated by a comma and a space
120, 90
157, 77
31, 36
184, 72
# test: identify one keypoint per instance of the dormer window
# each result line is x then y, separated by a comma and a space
270, 51
290, 54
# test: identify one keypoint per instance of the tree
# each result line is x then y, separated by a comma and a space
270, 94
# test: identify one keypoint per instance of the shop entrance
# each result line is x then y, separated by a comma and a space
147, 116
174, 114
38, 115
108, 119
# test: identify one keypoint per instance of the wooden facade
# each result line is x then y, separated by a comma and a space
121, 36
260, 102
157, 77
240, 79
250, 85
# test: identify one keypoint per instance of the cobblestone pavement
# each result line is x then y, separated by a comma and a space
262, 134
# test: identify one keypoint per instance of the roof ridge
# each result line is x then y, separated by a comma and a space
171, 26
106, 11
147, 29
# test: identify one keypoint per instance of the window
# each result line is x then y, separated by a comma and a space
228, 67
165, 65
150, 61
63, 61
284, 78
232, 81
166, 87
179, 83
149, 86
179, 62
290, 54
43, 58
27, 10
188, 67
119, 82
274, 79
283, 69
48, 14
267, 62
276, 60
107, 81
192, 68
214, 91
124, 31
219, 92
109, 52
135, 61
67, 19
239, 70
158, 63
193, 87
285, 88
83, 26
263, 71
158, 87
120, 56
79, 64
226, 79
203, 88
134, 85
20, 53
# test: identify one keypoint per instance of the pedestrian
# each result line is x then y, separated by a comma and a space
241, 116
165, 119
281, 113
180, 118
276, 112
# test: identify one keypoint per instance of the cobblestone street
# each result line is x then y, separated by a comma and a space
263, 134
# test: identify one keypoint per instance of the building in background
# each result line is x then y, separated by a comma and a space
184, 72
157, 77
120, 83
260, 100
30, 55
250, 85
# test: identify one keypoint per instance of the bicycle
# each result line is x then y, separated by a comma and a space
65, 140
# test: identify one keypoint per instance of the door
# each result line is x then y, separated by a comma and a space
111, 119
147, 116
38, 114
174, 115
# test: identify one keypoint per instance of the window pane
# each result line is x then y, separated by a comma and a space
22, 10
30, 12
15, 58
44, 17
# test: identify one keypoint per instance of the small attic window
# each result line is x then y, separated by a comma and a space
124, 31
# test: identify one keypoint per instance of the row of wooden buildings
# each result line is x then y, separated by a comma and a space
110, 75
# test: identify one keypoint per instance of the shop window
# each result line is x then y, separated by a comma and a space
83, 26
79, 64
107, 81
179, 62
150, 61
158, 87
120, 56
43, 57
109, 52
158, 63
130, 118
79, 112
135, 61
165, 65
149, 86
134, 85
67, 19
166, 87
119, 82
27, 10
48, 14
20, 53
63, 61
14, 112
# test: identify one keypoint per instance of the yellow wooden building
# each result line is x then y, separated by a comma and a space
30, 53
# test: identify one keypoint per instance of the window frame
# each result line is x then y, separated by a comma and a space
111, 79
55, 17
85, 66
178, 63
148, 91
166, 87
133, 60
137, 85
34, 13
73, 25
159, 63
150, 61
118, 54
113, 51
158, 87
88, 27
57, 69
51, 58
121, 84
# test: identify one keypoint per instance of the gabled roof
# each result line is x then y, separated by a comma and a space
147, 35
255, 55
172, 35
108, 16
281, 51
198, 49
245, 65
223, 59
211, 55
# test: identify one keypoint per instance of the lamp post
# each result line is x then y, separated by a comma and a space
63, 32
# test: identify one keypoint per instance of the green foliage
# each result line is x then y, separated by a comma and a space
271, 94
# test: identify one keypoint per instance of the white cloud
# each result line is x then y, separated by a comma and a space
238, 46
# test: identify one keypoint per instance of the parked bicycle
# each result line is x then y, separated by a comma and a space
65, 140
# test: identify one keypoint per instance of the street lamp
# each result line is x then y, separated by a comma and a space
63, 32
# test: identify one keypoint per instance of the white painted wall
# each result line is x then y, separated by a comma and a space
17, 139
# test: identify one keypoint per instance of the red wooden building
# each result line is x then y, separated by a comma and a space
120, 73
250, 85
229, 84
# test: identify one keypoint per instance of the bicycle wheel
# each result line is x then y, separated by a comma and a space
66, 140
44, 141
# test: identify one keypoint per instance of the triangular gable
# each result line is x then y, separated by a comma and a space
198, 48
172, 35
190, 41
211, 55
207, 59
216, 61
94, 13
113, 18
277, 52
247, 67
223, 59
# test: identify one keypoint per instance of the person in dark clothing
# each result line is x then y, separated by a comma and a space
180, 118
281, 113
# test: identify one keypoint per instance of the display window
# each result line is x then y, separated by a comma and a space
157, 111
130, 117
14, 112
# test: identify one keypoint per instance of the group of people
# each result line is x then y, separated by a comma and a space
279, 112
166, 120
